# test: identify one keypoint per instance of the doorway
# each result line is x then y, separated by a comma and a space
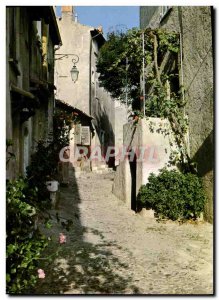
133, 167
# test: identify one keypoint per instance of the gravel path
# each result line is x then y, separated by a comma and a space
112, 250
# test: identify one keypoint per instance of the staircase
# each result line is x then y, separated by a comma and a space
76, 172
102, 169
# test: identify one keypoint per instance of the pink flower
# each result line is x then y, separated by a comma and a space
41, 273
62, 238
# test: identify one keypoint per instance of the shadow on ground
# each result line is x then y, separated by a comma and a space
85, 264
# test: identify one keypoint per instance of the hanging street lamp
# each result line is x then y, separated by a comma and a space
74, 71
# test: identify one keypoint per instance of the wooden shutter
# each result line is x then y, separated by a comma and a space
78, 134
85, 135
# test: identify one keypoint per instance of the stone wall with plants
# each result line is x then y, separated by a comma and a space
164, 91
196, 27
27, 199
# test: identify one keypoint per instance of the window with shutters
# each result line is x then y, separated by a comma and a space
85, 135
78, 134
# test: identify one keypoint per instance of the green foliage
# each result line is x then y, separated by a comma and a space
25, 198
167, 41
44, 162
24, 243
112, 66
112, 59
173, 195
42, 168
62, 121
163, 94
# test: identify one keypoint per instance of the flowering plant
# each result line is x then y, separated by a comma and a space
62, 238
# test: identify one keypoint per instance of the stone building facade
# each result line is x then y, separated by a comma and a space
31, 36
195, 25
86, 93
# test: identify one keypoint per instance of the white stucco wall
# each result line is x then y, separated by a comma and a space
120, 120
155, 137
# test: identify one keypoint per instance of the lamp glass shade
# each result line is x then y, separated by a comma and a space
74, 74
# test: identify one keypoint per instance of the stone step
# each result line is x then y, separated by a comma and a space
103, 171
96, 170
103, 167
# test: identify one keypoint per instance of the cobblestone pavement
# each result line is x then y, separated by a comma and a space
112, 250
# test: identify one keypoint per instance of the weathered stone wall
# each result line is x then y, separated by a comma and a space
146, 15
76, 40
155, 135
25, 64
102, 106
195, 26
10, 166
85, 94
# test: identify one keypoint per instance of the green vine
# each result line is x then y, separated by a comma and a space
164, 96
163, 92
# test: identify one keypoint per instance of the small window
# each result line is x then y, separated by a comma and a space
39, 29
85, 135
78, 134
164, 11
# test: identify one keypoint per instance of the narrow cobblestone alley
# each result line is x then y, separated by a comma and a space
111, 250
